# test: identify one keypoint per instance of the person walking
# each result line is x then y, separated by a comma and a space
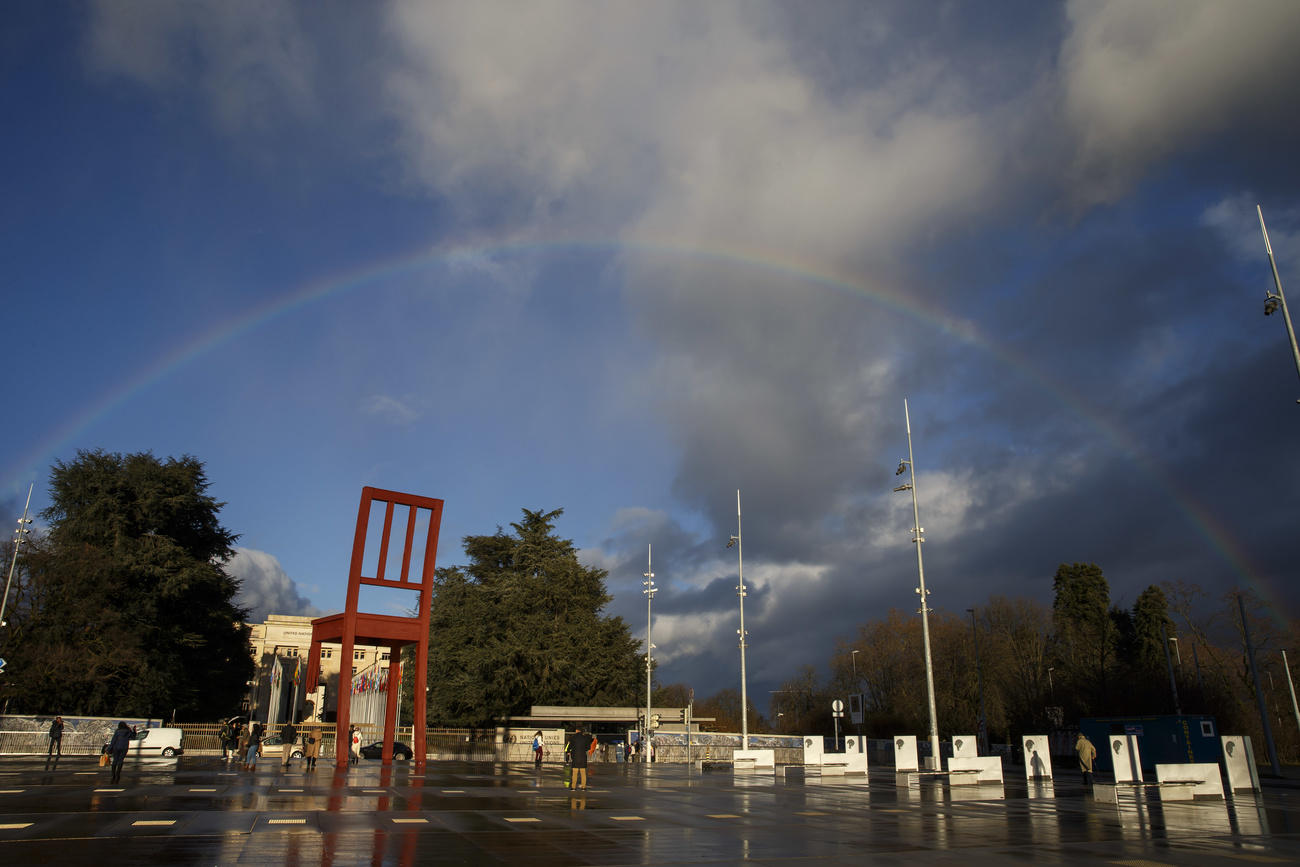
254, 746
117, 748
538, 748
56, 737
1087, 753
311, 747
354, 741
288, 736
227, 738
583, 746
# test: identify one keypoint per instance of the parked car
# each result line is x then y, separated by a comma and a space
153, 742
376, 751
273, 746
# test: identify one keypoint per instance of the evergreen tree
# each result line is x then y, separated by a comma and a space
1084, 637
520, 625
129, 609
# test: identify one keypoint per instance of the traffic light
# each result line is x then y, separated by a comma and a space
681, 715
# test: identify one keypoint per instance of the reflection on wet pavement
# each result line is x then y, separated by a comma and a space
194, 810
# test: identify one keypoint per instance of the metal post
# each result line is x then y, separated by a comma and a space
1173, 683
740, 590
979, 674
1259, 692
649, 591
19, 535
1273, 302
1295, 708
918, 539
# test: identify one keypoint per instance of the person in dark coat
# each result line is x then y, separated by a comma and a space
288, 735
56, 737
583, 746
117, 748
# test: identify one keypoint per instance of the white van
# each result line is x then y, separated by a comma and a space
154, 742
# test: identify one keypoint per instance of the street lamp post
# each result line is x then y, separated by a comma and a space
979, 675
1277, 301
19, 535
649, 591
740, 590
917, 539
862, 710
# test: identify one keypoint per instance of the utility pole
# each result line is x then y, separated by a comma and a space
740, 590
1259, 691
1275, 301
918, 538
649, 591
19, 535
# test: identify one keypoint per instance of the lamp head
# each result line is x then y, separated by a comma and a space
902, 466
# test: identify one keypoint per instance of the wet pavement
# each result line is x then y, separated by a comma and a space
199, 810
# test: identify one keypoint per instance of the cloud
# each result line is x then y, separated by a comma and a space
389, 409
265, 587
251, 61
1143, 80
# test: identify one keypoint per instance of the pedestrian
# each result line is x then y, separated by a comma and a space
1087, 752
354, 740
538, 747
227, 738
117, 748
288, 735
583, 746
254, 746
311, 747
56, 737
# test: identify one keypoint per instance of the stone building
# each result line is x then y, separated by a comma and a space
280, 648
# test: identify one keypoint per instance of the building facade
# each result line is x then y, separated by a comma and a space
280, 648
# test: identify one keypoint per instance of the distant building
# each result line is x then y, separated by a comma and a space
280, 649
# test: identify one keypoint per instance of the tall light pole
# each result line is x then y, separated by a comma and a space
740, 590
1259, 691
862, 710
1275, 301
979, 674
918, 538
19, 535
649, 592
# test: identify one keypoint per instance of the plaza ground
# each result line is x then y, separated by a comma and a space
200, 810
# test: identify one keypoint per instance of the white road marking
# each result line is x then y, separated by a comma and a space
521, 819
151, 823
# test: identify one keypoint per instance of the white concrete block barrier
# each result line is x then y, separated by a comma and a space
1038, 757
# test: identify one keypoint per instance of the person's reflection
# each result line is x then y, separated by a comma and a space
51, 763
578, 803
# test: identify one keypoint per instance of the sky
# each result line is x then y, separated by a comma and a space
627, 259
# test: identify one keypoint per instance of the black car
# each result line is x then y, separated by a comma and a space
376, 750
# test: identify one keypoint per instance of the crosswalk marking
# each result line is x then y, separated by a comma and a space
628, 818
286, 821
110, 790
723, 816
410, 821
521, 819
202, 790
153, 823
15, 826
291, 790
12, 791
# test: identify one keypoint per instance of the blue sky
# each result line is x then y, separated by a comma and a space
625, 258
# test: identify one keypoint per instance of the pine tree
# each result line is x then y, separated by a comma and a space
130, 611
520, 625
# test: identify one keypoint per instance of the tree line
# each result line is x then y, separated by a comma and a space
1043, 668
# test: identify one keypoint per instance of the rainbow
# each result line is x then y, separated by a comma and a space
59, 440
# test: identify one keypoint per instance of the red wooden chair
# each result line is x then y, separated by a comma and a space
354, 627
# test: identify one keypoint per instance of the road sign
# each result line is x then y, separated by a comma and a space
2, 665
837, 705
